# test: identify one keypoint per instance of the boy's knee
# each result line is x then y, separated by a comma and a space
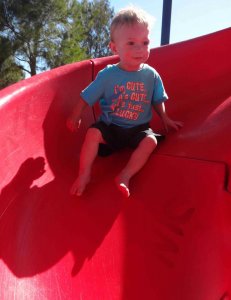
94, 135
150, 143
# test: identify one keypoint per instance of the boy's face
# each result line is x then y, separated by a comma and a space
131, 43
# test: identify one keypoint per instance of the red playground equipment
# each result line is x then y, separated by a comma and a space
170, 240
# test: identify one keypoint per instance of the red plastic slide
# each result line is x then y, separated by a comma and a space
171, 240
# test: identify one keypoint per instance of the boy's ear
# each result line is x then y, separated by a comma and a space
113, 47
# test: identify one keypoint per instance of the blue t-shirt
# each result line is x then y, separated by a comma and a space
125, 98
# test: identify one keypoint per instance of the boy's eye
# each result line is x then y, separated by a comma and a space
131, 43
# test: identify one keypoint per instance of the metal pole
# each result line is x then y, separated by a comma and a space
166, 22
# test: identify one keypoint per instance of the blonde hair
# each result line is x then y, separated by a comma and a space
129, 16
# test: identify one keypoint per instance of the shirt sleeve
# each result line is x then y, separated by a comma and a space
159, 93
95, 90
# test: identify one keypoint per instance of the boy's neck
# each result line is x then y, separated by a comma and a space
130, 69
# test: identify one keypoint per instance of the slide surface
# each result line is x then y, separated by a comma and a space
171, 239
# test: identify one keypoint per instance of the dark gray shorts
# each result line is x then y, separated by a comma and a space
117, 137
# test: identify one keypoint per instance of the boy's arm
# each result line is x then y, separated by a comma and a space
74, 120
161, 111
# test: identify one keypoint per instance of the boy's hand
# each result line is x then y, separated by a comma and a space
171, 123
160, 109
73, 124
74, 121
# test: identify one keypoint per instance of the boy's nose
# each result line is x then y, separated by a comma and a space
138, 47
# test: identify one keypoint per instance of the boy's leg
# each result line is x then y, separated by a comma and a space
88, 154
137, 160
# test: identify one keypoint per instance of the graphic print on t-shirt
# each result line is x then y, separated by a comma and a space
130, 100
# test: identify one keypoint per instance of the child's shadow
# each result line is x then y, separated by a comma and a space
40, 225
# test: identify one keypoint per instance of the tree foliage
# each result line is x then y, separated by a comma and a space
45, 34
96, 17
87, 33
10, 72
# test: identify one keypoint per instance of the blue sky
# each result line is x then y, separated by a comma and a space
190, 18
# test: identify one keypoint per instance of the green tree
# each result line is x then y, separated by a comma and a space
69, 48
35, 29
96, 17
48, 33
88, 33
10, 72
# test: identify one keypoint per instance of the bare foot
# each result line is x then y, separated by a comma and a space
122, 184
79, 185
